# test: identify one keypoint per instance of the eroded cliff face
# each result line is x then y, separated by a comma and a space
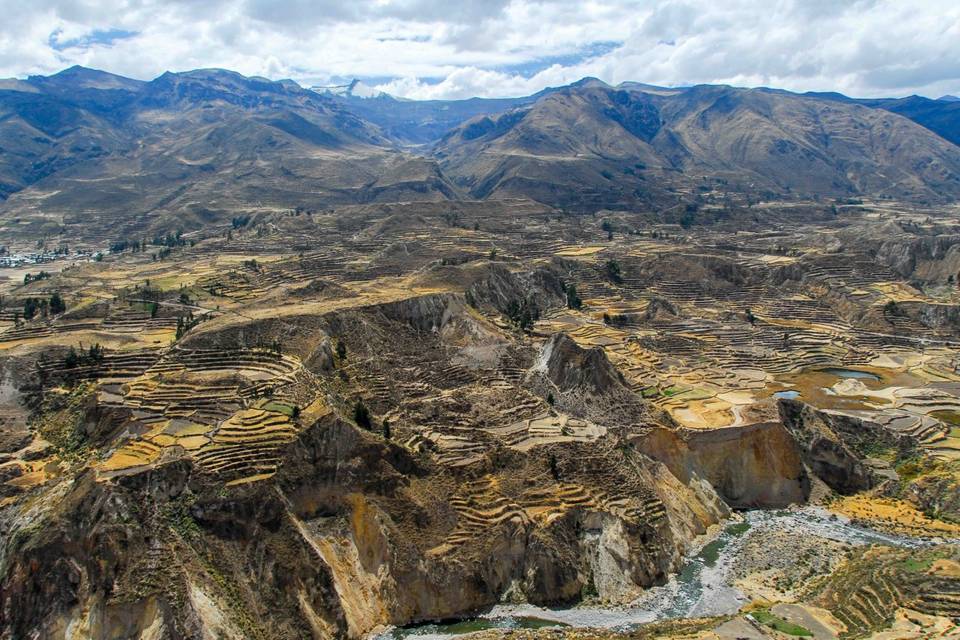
757, 465
925, 259
584, 382
834, 445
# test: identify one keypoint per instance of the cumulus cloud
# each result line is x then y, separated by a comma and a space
433, 49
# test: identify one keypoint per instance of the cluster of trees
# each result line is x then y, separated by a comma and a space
29, 277
43, 306
276, 348
613, 271
523, 313
185, 323
606, 226
239, 222
169, 240
135, 246
615, 320
74, 358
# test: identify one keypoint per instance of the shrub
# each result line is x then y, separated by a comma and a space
361, 415
57, 304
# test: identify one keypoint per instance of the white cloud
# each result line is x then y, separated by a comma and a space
439, 49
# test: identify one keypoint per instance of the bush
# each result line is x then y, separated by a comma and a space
361, 415
613, 271
57, 305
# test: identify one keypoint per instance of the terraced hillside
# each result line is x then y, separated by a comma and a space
322, 424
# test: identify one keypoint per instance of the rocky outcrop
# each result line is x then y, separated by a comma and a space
584, 382
500, 287
660, 308
926, 259
423, 313
573, 369
757, 465
834, 444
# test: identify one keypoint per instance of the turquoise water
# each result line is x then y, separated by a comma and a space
789, 395
851, 373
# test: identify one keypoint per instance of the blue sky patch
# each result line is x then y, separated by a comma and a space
586, 52
104, 37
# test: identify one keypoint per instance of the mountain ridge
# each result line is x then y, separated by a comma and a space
89, 147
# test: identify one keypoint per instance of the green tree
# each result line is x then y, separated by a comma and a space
573, 300
614, 273
72, 359
341, 349
30, 307
95, 353
386, 429
57, 305
361, 415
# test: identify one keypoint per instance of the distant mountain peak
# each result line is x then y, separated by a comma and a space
590, 81
354, 89
949, 98
79, 77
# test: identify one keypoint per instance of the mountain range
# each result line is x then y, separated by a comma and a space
95, 154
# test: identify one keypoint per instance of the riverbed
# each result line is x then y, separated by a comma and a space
704, 586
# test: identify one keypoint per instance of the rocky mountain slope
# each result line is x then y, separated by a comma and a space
199, 146
87, 154
600, 146
942, 116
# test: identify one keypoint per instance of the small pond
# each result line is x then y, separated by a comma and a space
851, 373
788, 395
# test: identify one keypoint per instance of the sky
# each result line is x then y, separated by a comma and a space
496, 48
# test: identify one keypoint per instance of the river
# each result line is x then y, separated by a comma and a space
702, 587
